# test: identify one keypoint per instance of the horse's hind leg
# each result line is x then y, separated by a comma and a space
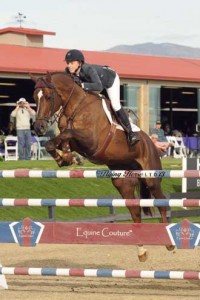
126, 187
154, 186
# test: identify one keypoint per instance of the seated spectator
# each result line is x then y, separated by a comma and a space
161, 146
1, 142
10, 130
167, 130
159, 131
2, 146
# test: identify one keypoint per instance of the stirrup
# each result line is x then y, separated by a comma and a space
133, 139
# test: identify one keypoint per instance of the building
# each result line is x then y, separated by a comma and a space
154, 87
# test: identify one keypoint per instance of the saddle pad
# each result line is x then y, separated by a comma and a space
135, 128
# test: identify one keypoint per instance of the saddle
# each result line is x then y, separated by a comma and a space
111, 115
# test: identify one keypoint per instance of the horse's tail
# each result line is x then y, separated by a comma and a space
145, 194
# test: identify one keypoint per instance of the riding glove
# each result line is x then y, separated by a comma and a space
77, 80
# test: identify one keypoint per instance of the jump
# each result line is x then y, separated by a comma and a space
85, 128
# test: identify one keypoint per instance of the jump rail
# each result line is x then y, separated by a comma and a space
189, 275
106, 202
99, 174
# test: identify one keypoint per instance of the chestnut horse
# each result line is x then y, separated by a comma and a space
85, 128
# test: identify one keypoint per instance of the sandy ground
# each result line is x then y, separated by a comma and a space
92, 256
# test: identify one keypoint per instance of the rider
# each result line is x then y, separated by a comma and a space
97, 78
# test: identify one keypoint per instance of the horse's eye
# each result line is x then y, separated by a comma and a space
49, 97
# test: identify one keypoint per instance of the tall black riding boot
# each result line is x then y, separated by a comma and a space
123, 119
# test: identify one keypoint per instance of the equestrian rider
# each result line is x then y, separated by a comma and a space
96, 78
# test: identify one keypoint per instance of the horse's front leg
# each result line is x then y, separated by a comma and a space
54, 148
67, 155
126, 189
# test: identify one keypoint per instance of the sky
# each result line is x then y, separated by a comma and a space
99, 25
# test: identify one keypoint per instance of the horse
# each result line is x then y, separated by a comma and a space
85, 129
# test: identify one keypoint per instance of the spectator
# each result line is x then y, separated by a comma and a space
161, 146
2, 147
10, 130
23, 114
167, 130
159, 131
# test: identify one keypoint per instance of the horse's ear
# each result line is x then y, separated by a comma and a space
32, 77
48, 76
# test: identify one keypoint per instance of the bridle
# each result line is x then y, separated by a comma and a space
42, 83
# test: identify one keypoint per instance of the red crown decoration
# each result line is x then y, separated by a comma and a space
184, 233
26, 231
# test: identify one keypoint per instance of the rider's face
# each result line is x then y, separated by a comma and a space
73, 66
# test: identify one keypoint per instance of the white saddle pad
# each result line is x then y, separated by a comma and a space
135, 128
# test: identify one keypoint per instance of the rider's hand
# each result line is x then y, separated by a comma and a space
77, 80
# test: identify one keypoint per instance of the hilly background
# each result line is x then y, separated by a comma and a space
163, 49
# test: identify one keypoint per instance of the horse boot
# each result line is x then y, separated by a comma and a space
124, 121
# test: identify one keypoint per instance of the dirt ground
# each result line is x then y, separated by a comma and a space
93, 256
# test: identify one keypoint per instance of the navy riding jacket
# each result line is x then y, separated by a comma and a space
95, 77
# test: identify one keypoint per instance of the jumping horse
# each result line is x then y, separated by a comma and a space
85, 128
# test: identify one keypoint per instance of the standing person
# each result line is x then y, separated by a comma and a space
23, 113
159, 131
98, 78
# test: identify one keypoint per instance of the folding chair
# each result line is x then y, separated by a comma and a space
42, 153
179, 147
11, 147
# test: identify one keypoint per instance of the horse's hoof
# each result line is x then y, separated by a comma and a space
170, 247
143, 257
67, 156
63, 163
64, 136
60, 163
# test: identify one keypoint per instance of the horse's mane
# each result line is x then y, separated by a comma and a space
98, 96
59, 73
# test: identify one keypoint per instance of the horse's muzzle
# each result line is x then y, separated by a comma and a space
41, 127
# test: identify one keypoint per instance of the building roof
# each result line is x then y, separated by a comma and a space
21, 59
28, 31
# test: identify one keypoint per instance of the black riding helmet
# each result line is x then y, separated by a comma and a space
74, 55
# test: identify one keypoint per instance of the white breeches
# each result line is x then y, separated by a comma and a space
114, 94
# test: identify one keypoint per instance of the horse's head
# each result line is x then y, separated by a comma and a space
47, 100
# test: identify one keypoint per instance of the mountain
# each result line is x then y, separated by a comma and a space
163, 49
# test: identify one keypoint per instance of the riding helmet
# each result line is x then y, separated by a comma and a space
74, 55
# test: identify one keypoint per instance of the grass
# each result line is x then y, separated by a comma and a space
62, 188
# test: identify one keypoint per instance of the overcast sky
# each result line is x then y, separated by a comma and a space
102, 24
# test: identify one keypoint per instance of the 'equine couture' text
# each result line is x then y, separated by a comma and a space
105, 232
